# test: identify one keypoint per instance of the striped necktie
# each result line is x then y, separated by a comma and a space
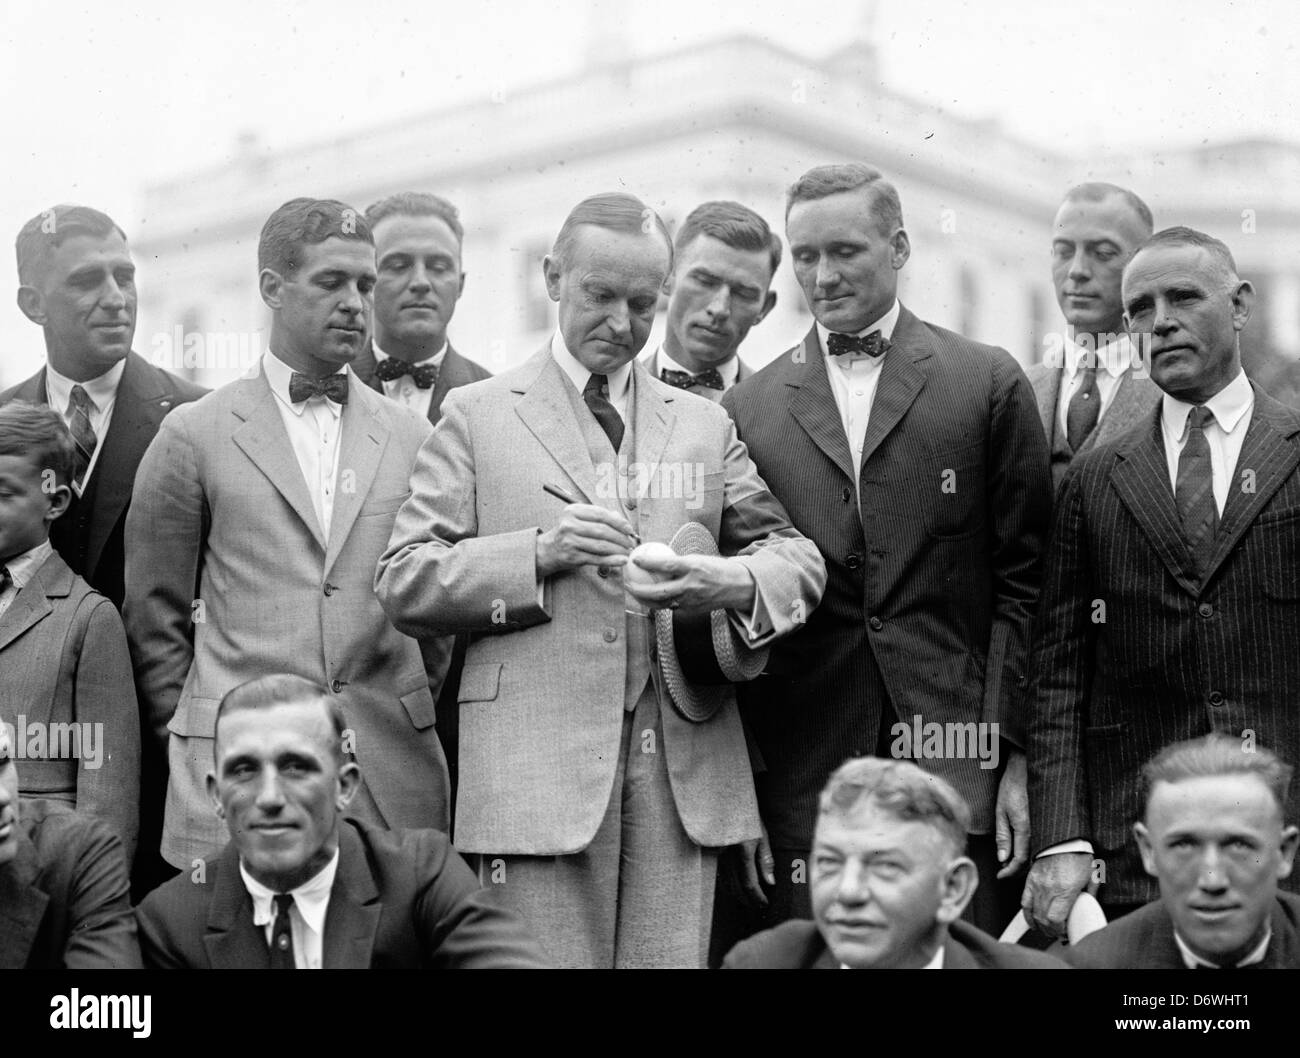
1194, 492
83, 434
606, 414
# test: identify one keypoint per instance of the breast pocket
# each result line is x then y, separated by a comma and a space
956, 489
1277, 536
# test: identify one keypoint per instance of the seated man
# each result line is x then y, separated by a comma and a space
889, 881
298, 886
64, 897
1213, 835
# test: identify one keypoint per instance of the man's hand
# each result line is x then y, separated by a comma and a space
586, 535
1053, 885
1012, 816
756, 862
698, 584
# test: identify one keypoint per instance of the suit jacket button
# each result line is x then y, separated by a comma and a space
602, 572
337, 685
1205, 610
847, 494
876, 624
610, 635
330, 589
853, 561
1216, 698
631, 503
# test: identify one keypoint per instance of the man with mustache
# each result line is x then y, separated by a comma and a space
1092, 385
258, 518
724, 260
301, 887
1171, 597
1214, 836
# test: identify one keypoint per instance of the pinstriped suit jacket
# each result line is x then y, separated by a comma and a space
935, 587
1167, 658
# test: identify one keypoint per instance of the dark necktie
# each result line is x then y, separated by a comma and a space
1083, 410
83, 434
606, 414
685, 380
391, 369
5, 579
335, 387
282, 934
1194, 492
873, 344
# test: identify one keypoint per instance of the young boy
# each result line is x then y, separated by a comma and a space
65, 671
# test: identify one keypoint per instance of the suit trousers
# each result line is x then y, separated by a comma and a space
641, 894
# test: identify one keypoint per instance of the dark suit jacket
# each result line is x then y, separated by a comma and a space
1132, 402
798, 945
402, 899
90, 533
456, 371
64, 660
931, 590
64, 902
1144, 940
1169, 658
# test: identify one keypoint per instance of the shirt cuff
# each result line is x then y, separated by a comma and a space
756, 625
1077, 845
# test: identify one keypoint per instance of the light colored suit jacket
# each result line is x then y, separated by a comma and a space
1130, 404
229, 577
63, 660
542, 695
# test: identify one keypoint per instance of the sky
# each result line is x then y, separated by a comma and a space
102, 100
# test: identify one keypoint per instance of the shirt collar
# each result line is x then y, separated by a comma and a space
101, 390
1191, 960
312, 898
618, 379
729, 369
1228, 406
278, 374
23, 567
885, 325
435, 359
1115, 356
935, 963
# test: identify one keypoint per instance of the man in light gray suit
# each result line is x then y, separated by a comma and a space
593, 802
1093, 384
256, 524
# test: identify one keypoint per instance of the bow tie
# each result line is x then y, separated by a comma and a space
874, 344
391, 369
685, 380
335, 387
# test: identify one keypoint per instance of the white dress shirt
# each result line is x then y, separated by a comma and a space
21, 570
935, 963
102, 392
854, 378
728, 369
1191, 960
619, 381
313, 426
404, 390
1231, 408
311, 901
1112, 361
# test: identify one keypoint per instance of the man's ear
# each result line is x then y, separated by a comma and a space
32, 304
1243, 303
461, 289
551, 273
349, 783
60, 497
667, 288
214, 797
1290, 838
901, 246
769, 303
958, 885
1143, 838
270, 285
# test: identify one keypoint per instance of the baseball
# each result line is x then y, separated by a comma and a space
635, 574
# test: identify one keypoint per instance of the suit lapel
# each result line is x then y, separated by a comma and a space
1048, 398
1130, 403
138, 409
231, 940
263, 438
653, 420
1141, 479
1268, 457
352, 919
814, 408
544, 409
900, 381
453, 373
22, 905
362, 441
53, 579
